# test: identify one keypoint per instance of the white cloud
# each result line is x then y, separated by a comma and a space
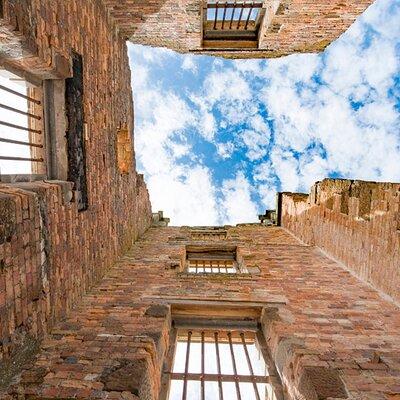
226, 86
166, 117
225, 150
236, 204
139, 76
185, 194
255, 143
286, 168
268, 196
207, 126
189, 63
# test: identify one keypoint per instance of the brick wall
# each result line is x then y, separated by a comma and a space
50, 253
356, 222
298, 26
319, 322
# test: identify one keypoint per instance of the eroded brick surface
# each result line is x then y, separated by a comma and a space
330, 328
356, 222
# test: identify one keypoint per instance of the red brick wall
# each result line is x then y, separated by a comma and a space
50, 253
356, 222
319, 320
298, 26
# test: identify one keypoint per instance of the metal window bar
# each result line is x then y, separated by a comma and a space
224, 15
216, 15
192, 376
240, 17
202, 367
242, 6
248, 17
21, 159
233, 14
239, 397
215, 338
185, 379
23, 128
16, 110
221, 393
31, 117
31, 99
212, 266
21, 143
249, 365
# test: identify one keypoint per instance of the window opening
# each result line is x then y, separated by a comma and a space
74, 102
232, 23
21, 126
211, 260
220, 364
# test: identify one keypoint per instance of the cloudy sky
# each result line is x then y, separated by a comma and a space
216, 139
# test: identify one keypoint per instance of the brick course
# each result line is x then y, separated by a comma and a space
321, 323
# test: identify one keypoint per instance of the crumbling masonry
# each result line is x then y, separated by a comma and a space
94, 287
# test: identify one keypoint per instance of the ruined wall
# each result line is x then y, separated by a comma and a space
299, 25
50, 253
320, 322
356, 222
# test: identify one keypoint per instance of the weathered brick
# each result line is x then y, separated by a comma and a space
365, 239
115, 328
51, 254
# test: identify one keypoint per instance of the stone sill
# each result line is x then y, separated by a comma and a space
18, 178
38, 185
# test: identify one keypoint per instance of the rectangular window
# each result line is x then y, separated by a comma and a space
210, 364
209, 260
74, 102
22, 135
233, 24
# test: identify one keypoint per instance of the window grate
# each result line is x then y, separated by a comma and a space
212, 266
21, 127
236, 15
232, 23
220, 364
211, 260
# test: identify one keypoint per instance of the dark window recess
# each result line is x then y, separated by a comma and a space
75, 132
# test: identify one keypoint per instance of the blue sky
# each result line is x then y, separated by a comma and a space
216, 139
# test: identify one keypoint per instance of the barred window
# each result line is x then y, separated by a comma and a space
207, 260
215, 364
22, 133
232, 24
